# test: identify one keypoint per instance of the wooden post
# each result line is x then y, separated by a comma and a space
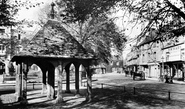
67, 78
89, 84
60, 77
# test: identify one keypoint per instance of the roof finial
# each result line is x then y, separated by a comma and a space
52, 10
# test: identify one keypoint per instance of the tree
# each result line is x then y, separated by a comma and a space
81, 10
88, 21
10, 8
166, 16
6, 14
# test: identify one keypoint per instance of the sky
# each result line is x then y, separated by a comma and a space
32, 13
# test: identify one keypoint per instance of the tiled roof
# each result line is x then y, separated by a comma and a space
54, 40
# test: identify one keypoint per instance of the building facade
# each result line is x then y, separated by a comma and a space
157, 58
174, 58
9, 40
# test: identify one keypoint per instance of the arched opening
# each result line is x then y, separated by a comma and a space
83, 75
49, 67
74, 77
40, 82
72, 73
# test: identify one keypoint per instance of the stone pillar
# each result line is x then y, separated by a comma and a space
44, 87
51, 83
24, 83
67, 78
18, 83
60, 77
77, 78
89, 84
21, 83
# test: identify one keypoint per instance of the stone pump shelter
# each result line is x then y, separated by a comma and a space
53, 49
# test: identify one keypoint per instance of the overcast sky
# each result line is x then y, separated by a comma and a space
32, 13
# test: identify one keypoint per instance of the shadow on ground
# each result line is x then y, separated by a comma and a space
106, 99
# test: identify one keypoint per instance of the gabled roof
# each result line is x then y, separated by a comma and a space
54, 40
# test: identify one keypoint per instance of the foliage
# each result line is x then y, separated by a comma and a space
100, 35
81, 10
166, 16
88, 21
10, 8
6, 13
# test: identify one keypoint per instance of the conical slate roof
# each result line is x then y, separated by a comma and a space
54, 40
